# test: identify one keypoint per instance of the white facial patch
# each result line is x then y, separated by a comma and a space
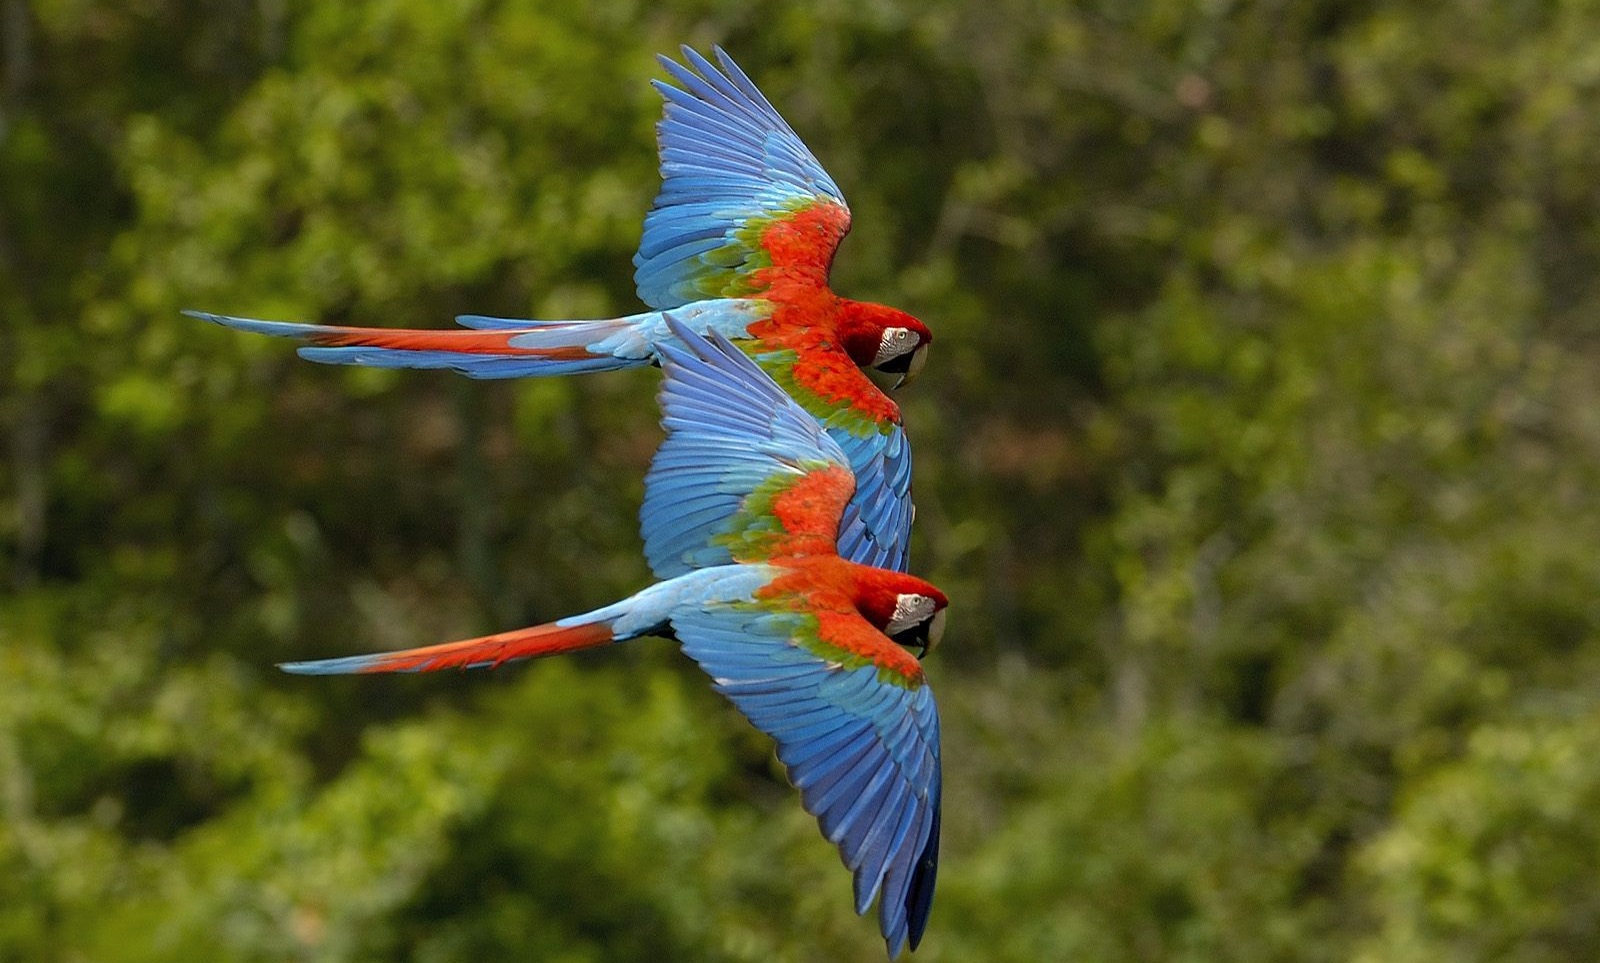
894, 343
909, 609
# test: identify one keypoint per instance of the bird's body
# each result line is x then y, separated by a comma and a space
742, 516
739, 243
821, 597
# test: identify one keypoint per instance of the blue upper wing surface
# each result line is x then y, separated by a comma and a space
876, 528
862, 749
730, 165
730, 431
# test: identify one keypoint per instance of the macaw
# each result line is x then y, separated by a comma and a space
742, 509
739, 242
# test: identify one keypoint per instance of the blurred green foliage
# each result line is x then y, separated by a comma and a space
1259, 454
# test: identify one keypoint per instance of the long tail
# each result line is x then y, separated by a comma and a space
648, 612
568, 635
491, 348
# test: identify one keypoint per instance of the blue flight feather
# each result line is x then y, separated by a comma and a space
730, 428
863, 752
727, 159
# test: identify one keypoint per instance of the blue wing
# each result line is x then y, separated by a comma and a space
733, 436
876, 528
861, 744
730, 168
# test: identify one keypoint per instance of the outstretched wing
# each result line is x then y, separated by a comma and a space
744, 473
742, 201
876, 527
858, 730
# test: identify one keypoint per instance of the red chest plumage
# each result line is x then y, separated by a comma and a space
834, 590
805, 319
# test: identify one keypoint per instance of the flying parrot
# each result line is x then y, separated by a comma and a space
741, 514
739, 242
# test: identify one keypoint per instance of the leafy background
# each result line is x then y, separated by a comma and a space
1259, 453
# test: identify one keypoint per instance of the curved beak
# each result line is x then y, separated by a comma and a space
936, 630
922, 637
919, 358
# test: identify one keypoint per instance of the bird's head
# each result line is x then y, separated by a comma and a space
918, 622
908, 610
885, 338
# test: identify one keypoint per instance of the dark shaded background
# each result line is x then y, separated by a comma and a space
1258, 451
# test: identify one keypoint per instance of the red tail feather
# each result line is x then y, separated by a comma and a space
492, 650
455, 342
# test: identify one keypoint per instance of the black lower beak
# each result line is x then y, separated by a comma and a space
914, 639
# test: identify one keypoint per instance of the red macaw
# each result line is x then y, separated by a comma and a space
739, 242
741, 515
